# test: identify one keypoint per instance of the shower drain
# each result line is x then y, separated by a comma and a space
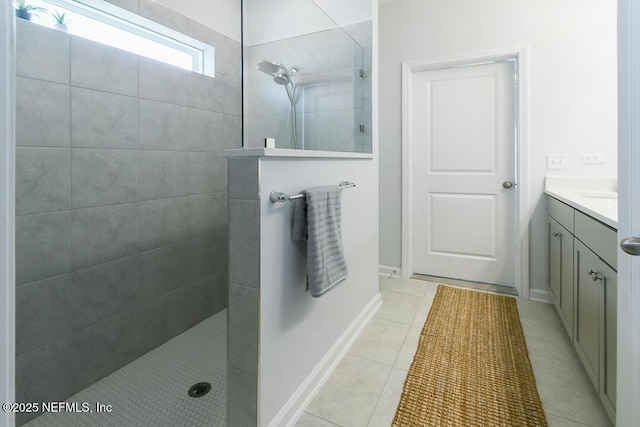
199, 390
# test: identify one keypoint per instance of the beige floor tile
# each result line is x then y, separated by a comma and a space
380, 341
407, 287
540, 311
350, 395
423, 311
310, 420
388, 403
565, 391
549, 341
408, 350
398, 307
555, 421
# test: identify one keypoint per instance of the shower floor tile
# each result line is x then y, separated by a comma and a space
152, 390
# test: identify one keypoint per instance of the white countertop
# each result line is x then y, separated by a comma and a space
596, 197
284, 152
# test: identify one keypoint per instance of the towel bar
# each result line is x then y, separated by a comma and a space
277, 196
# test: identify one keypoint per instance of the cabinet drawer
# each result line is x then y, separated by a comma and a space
599, 237
562, 213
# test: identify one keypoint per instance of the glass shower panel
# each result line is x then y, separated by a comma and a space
304, 79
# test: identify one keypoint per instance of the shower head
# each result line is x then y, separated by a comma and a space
271, 68
282, 79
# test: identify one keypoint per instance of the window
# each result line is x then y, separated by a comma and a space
104, 23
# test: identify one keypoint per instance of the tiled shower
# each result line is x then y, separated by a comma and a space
121, 201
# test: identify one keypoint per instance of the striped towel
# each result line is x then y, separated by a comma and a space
316, 219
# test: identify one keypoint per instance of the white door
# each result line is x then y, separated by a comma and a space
463, 127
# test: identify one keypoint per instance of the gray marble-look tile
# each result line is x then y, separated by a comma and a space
317, 127
310, 420
103, 234
342, 131
243, 179
232, 95
41, 52
97, 66
344, 93
42, 113
103, 120
311, 53
163, 270
164, 174
163, 222
267, 98
314, 98
388, 402
216, 290
243, 328
163, 126
242, 395
244, 242
205, 92
130, 5
44, 374
206, 35
101, 291
208, 213
398, 307
232, 56
43, 182
380, 341
43, 312
184, 307
208, 255
344, 53
408, 349
146, 330
163, 15
206, 130
232, 132
103, 177
43, 247
208, 173
566, 391
350, 395
163, 82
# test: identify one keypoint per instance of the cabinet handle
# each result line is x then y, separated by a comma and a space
556, 234
594, 275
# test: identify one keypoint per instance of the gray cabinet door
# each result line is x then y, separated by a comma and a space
608, 342
561, 272
587, 316
555, 260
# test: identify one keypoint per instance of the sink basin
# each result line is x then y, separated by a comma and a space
598, 194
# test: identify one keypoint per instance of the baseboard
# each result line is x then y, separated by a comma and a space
542, 295
295, 406
385, 270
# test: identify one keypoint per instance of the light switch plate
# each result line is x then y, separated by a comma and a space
557, 161
592, 158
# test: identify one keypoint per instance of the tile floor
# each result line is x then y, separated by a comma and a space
152, 390
365, 388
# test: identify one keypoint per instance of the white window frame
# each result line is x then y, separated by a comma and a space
203, 55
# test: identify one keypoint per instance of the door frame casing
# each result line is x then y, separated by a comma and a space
523, 208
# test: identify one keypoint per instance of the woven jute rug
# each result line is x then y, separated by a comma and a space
471, 367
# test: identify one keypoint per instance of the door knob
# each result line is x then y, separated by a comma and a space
508, 184
631, 245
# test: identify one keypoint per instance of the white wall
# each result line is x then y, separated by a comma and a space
572, 93
221, 15
7, 209
296, 330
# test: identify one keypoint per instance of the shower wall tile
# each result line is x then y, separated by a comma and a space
163, 15
162, 270
103, 177
205, 93
208, 255
51, 296
231, 59
42, 113
103, 120
206, 130
163, 222
208, 213
242, 331
130, 5
232, 132
103, 234
118, 70
99, 292
243, 178
242, 398
216, 290
163, 126
43, 247
43, 182
44, 374
244, 245
345, 92
311, 53
164, 174
232, 95
41, 53
317, 127
206, 35
208, 173
162, 82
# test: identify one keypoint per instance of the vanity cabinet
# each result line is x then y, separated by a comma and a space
583, 286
